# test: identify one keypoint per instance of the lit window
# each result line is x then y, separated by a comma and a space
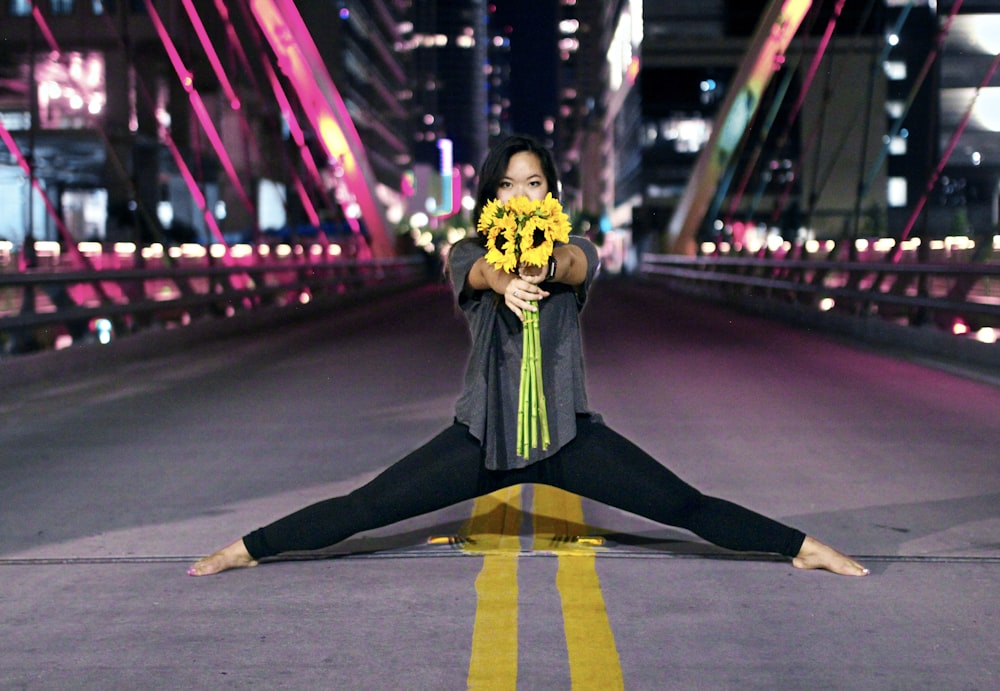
895, 70
896, 192
894, 109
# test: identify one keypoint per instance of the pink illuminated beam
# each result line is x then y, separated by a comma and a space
774, 32
64, 233
213, 57
196, 194
187, 81
300, 60
286, 110
234, 101
949, 149
43, 26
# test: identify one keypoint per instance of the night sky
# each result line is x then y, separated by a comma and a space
533, 44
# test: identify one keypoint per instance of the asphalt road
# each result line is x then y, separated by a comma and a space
114, 476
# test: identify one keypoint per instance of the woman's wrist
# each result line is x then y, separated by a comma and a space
550, 274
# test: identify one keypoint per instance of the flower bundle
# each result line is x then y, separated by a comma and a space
524, 232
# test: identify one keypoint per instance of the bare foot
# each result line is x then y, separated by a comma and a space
815, 555
234, 556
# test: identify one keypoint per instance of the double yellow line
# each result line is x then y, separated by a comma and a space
494, 531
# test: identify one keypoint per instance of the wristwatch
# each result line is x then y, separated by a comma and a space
552, 268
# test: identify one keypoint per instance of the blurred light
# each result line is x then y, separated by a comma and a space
165, 213
896, 193
304, 297
334, 250
47, 248
959, 328
569, 45
241, 250
827, 304
154, 251
986, 32
986, 111
104, 330
895, 70
987, 334
569, 26
894, 109
190, 249
217, 250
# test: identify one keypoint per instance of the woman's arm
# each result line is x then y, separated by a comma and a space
522, 291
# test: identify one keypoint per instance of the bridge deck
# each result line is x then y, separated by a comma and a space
113, 478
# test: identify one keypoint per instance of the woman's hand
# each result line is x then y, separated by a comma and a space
524, 290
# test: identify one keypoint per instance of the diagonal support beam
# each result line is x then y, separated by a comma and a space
302, 64
774, 32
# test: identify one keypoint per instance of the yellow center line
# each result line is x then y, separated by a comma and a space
494, 530
593, 655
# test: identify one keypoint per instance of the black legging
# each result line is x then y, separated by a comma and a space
599, 464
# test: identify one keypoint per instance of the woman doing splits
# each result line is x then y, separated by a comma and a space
477, 454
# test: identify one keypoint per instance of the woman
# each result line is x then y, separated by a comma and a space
476, 454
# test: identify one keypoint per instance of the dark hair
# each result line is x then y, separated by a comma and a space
494, 168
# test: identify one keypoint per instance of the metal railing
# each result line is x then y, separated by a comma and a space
54, 307
960, 298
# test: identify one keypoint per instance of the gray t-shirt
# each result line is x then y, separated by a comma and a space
489, 400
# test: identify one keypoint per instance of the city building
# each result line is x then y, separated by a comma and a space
175, 121
847, 139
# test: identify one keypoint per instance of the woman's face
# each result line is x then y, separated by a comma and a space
524, 178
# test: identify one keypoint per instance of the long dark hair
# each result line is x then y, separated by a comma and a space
494, 168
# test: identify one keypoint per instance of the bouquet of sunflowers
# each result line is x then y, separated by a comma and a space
524, 232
